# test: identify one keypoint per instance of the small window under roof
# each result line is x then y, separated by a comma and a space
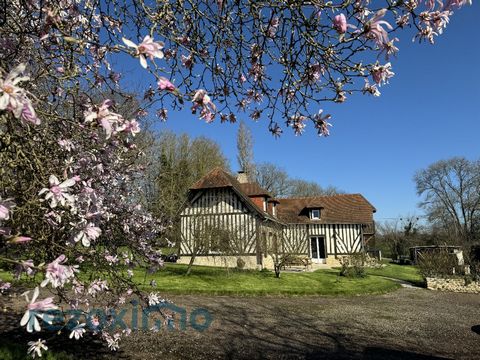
315, 214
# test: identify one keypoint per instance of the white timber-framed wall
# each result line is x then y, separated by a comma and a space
340, 239
224, 208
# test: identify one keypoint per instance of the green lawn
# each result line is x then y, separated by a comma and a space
220, 281
403, 272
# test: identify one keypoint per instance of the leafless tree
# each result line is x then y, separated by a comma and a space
303, 188
450, 191
273, 178
245, 151
398, 235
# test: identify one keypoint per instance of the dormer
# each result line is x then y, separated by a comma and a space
272, 206
315, 213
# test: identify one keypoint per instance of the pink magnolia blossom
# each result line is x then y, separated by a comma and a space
111, 259
147, 48
370, 89
153, 299
381, 73
5, 206
389, 48
24, 267
14, 98
208, 108
187, 61
132, 127
77, 331
59, 192
457, 3
321, 123
273, 27
66, 144
4, 286
35, 311
106, 118
340, 23
88, 234
374, 28
165, 84
297, 122
35, 348
112, 342
58, 274
97, 286
28, 114
162, 114
18, 239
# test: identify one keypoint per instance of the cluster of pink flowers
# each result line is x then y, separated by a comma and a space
109, 120
208, 109
14, 98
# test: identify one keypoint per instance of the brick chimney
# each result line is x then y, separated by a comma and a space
242, 177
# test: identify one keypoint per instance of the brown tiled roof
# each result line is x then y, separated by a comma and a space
253, 189
218, 178
335, 209
342, 208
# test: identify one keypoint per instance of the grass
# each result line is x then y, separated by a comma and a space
402, 272
220, 281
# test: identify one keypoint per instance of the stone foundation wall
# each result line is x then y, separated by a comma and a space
229, 261
331, 261
453, 284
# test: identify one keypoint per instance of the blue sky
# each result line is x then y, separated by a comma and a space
429, 111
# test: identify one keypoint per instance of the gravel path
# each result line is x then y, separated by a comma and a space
405, 324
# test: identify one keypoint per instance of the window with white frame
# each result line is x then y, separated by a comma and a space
315, 214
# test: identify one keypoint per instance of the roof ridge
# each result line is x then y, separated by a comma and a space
319, 196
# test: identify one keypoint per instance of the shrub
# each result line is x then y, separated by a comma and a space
353, 266
439, 263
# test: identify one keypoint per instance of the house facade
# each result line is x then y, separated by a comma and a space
228, 220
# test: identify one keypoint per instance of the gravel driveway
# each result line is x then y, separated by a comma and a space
405, 324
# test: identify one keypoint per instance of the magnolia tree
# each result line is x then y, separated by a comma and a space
68, 155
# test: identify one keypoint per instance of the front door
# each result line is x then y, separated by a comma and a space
317, 249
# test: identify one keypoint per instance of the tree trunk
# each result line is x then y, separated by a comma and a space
277, 270
190, 264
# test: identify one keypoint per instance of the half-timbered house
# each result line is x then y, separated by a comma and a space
228, 219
